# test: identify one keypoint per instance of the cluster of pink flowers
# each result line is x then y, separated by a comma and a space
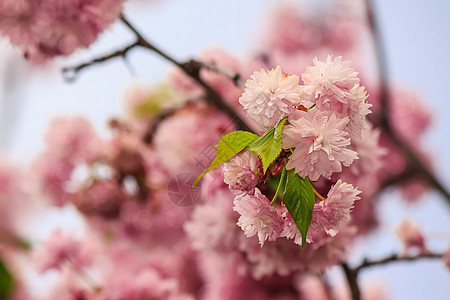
46, 28
326, 116
149, 235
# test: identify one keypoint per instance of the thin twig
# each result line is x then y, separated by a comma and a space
395, 258
416, 165
352, 273
192, 69
71, 73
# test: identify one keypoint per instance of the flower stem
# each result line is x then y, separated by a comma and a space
318, 195
280, 183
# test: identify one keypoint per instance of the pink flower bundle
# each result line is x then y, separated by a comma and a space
43, 29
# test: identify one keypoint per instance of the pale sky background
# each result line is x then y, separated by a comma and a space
416, 35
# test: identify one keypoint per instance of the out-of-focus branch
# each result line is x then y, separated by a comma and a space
415, 165
71, 73
395, 258
191, 68
352, 279
351, 274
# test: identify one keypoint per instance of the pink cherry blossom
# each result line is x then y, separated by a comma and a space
280, 257
370, 153
213, 223
47, 28
335, 210
410, 115
239, 173
270, 96
328, 251
330, 78
327, 215
321, 146
184, 141
411, 236
258, 217
291, 33
357, 110
333, 86
58, 249
73, 138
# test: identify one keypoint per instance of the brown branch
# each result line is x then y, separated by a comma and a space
351, 274
383, 120
191, 68
352, 279
234, 77
395, 258
148, 137
70, 74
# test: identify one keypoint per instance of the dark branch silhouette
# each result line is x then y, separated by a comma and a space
416, 166
351, 274
191, 68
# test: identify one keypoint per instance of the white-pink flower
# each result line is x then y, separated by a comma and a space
327, 215
239, 173
270, 96
357, 109
335, 210
334, 86
320, 144
258, 217
329, 78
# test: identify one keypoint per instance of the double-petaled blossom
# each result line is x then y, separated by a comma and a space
329, 80
333, 85
328, 215
240, 173
258, 217
357, 109
270, 96
320, 142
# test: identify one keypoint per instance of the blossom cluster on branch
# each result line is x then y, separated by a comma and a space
323, 116
178, 203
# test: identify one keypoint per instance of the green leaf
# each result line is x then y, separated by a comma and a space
299, 200
268, 147
228, 146
6, 281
